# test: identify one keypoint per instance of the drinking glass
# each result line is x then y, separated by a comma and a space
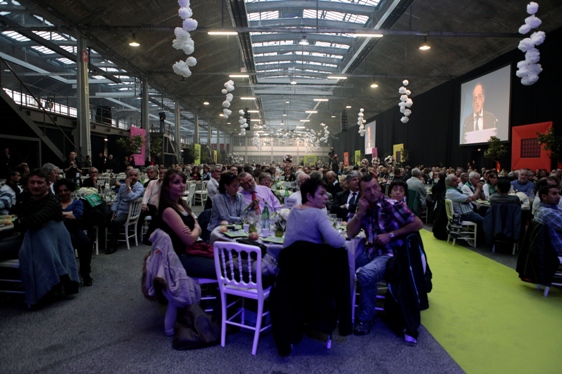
338, 223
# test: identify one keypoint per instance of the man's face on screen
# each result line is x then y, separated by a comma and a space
478, 98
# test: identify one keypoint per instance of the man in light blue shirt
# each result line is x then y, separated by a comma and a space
523, 184
461, 202
130, 190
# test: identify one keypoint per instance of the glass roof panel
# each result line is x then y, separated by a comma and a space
322, 57
15, 36
263, 15
43, 49
65, 60
50, 35
332, 45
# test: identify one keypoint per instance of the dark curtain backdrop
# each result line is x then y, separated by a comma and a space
431, 136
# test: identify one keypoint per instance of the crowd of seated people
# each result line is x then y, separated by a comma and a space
233, 188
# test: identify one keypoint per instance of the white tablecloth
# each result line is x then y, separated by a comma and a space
354, 246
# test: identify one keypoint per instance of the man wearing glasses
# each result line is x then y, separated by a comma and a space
257, 195
93, 180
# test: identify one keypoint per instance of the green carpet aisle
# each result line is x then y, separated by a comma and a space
486, 318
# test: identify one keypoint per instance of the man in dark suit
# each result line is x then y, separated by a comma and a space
333, 185
345, 202
479, 119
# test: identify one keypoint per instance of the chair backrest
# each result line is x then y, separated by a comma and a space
235, 264
204, 186
538, 260
449, 209
502, 222
134, 210
413, 200
204, 218
191, 194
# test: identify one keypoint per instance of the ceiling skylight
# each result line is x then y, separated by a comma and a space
15, 36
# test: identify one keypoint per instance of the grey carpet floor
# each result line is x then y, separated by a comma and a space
111, 328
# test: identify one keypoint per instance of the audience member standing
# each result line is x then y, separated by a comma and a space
111, 164
99, 162
73, 167
6, 164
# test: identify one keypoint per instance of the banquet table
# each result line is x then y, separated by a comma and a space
354, 246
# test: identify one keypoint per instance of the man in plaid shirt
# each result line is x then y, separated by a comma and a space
386, 222
548, 214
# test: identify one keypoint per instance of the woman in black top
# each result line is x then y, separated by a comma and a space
178, 221
195, 174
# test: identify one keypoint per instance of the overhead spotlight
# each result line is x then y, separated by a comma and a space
303, 41
425, 46
134, 42
374, 85
348, 107
287, 102
205, 103
293, 82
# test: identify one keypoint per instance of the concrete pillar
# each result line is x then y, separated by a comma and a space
82, 139
196, 129
145, 116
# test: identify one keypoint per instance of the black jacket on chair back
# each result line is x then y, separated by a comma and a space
312, 288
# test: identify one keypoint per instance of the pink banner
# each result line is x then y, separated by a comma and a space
139, 157
374, 152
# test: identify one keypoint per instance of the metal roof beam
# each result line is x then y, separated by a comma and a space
330, 6
282, 49
294, 57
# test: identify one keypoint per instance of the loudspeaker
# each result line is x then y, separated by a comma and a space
344, 121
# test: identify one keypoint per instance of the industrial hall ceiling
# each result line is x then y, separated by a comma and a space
302, 62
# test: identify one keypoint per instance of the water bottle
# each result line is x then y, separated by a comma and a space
265, 216
287, 194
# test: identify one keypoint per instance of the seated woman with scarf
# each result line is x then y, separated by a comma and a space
46, 256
